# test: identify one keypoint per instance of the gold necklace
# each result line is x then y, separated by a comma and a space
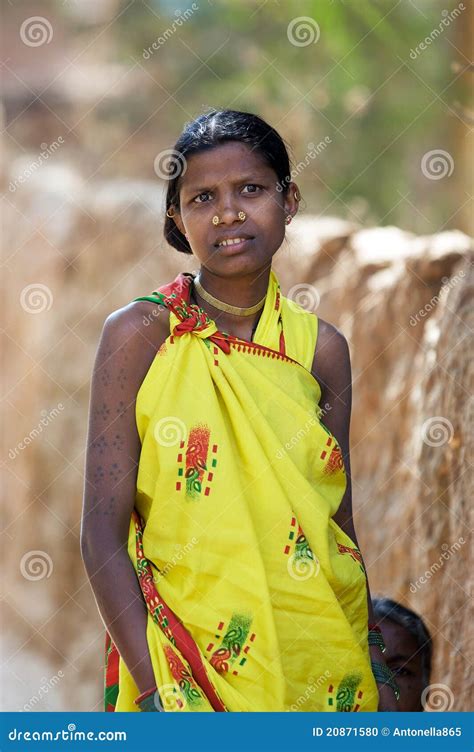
221, 306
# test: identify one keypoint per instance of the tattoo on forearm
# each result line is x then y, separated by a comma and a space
100, 444
102, 412
118, 442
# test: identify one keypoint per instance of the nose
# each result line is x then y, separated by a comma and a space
228, 211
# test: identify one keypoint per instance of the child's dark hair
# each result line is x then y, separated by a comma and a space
386, 608
211, 129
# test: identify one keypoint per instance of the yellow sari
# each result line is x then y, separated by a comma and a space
257, 599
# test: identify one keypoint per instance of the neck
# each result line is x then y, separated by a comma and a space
242, 291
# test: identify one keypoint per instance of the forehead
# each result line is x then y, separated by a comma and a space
399, 641
226, 162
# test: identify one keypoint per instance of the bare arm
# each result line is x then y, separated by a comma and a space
332, 369
124, 354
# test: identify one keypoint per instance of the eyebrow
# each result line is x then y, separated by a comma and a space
242, 179
406, 658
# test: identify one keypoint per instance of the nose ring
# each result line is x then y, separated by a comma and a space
242, 215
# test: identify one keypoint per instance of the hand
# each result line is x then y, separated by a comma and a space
151, 703
387, 700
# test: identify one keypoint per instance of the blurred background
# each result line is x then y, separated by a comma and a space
374, 99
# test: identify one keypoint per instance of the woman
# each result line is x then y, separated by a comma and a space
409, 652
217, 527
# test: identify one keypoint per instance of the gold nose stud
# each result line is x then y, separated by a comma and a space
241, 215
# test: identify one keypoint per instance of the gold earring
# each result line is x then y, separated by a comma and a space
288, 219
242, 215
215, 220
168, 213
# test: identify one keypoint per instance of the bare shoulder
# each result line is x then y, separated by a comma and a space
146, 319
331, 359
137, 331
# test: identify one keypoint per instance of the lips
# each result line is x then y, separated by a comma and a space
221, 238
234, 248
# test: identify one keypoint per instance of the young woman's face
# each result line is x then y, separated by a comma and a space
222, 182
403, 656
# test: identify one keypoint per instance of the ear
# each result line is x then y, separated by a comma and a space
178, 221
291, 201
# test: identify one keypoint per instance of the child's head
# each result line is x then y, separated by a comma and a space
228, 162
408, 650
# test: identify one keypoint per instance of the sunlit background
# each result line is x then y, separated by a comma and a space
374, 99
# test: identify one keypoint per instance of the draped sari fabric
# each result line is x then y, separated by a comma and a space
256, 598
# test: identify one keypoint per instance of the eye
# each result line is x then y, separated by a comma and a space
402, 671
254, 185
204, 193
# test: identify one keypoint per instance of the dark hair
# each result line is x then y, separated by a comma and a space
209, 130
385, 608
